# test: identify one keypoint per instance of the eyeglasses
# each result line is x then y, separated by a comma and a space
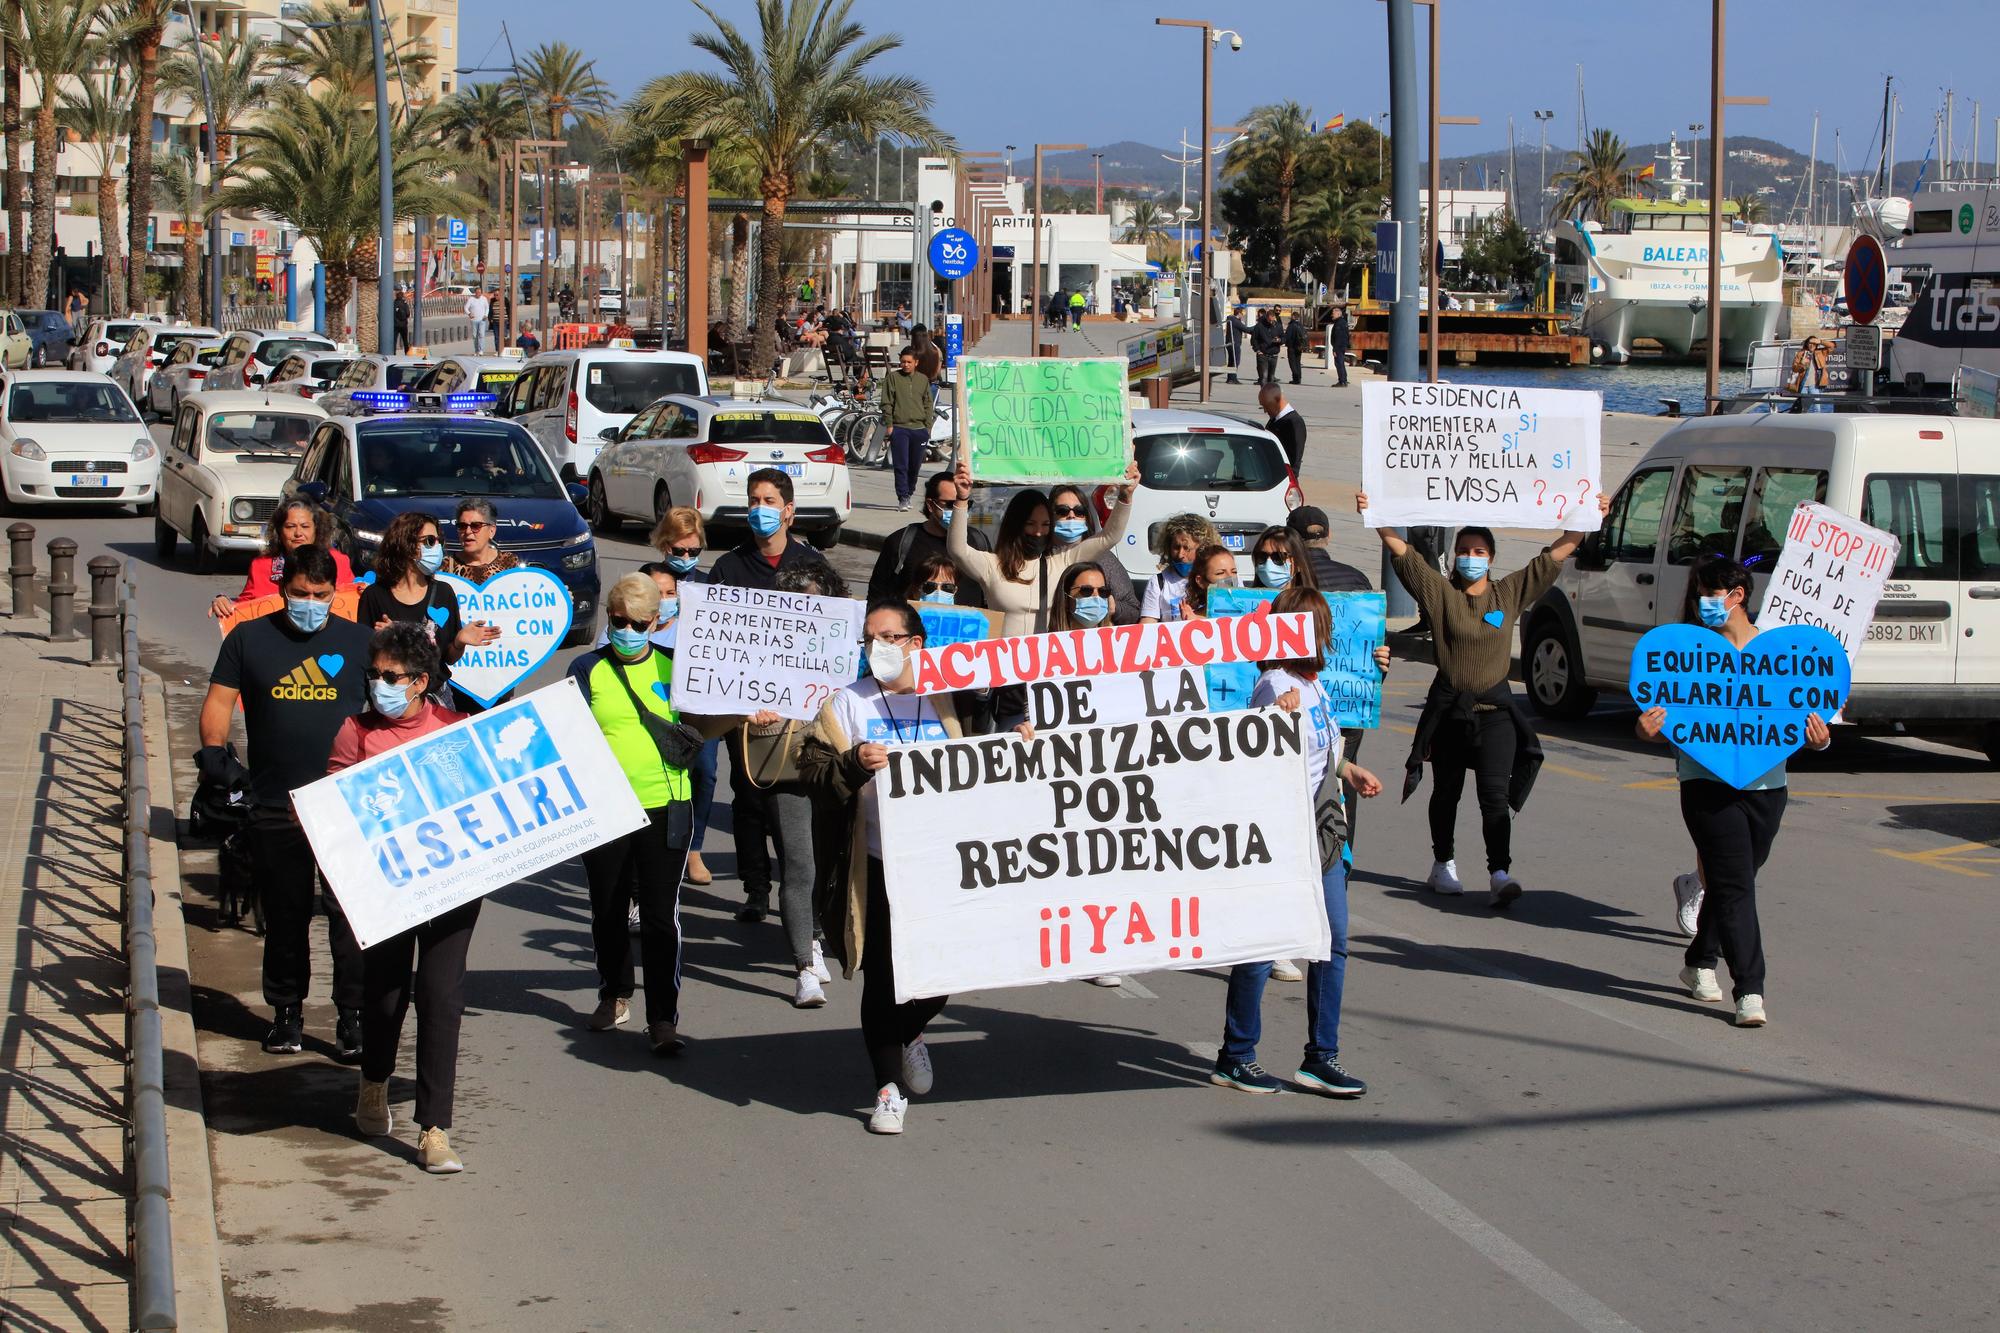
390, 677
894, 640
685, 552
1276, 557
627, 622
474, 527
428, 539
1087, 590
1071, 511
940, 587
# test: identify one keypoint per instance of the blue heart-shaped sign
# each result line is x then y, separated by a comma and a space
532, 610
438, 615
660, 688
331, 663
1495, 618
1739, 712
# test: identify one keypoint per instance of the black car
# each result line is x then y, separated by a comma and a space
50, 335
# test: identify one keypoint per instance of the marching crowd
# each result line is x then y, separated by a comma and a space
321, 691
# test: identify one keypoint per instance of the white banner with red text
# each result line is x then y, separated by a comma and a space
1110, 650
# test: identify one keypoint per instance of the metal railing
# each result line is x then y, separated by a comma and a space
145, 1085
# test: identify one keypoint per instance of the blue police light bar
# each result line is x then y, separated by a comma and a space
469, 401
382, 400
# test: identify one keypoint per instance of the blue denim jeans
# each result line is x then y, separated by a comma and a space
1243, 1015
703, 774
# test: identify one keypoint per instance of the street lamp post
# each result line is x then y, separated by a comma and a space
1097, 161
1210, 35
1433, 243
1542, 118
214, 182
1034, 317
385, 186
1716, 194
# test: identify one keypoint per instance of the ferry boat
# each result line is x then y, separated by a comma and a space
1949, 254
1643, 275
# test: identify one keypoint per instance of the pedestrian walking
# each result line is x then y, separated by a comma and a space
1472, 718
1176, 542
1339, 338
1075, 520
1311, 524
298, 675
1294, 687
1283, 420
1266, 340
1076, 304
905, 551
293, 524
76, 311
906, 401
1732, 828
1233, 330
527, 341
680, 538
1295, 346
478, 558
407, 590
930, 357
400, 317
427, 962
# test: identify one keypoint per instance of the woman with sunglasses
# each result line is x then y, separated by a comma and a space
1279, 560
936, 580
478, 559
402, 673
1075, 521
406, 591
293, 524
680, 539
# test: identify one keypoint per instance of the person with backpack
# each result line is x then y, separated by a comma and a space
905, 550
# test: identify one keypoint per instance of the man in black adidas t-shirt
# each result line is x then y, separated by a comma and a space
298, 674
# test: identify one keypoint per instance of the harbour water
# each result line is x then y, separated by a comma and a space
1631, 388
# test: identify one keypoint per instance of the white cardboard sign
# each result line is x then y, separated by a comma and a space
532, 609
743, 650
1179, 842
1492, 454
456, 814
1829, 573
1097, 701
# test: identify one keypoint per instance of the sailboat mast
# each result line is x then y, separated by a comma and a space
1812, 174
1882, 180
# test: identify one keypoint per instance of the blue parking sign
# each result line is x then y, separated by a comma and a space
456, 232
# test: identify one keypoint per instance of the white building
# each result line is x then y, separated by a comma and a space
1463, 210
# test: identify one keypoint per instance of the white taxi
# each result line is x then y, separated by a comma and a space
71, 437
185, 372
226, 463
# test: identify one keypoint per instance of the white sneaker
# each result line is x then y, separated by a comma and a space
917, 1075
889, 1108
1750, 1012
1687, 902
808, 995
1701, 984
632, 918
1444, 878
819, 968
1284, 969
371, 1108
1505, 889
1105, 981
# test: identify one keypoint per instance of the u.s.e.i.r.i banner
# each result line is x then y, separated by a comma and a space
456, 814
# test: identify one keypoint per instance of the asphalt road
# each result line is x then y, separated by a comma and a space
1555, 1136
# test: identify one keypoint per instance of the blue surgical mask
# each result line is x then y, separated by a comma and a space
430, 559
939, 598
1714, 611
682, 564
1091, 610
389, 700
1181, 568
308, 614
1271, 574
628, 642
1072, 529
945, 515
670, 608
1472, 568
765, 519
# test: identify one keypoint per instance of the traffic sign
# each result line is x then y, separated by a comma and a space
456, 232
1385, 256
954, 253
1865, 279
1863, 345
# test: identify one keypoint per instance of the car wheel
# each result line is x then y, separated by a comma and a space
164, 537
40, 357
828, 538
601, 517
662, 502
1554, 671
204, 554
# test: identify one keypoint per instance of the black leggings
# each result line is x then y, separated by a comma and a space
1486, 746
440, 946
644, 867
887, 1027
1733, 831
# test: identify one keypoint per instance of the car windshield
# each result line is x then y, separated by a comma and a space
402, 377
70, 401
165, 343
258, 432
496, 381
624, 388
453, 456
1199, 461
209, 356
277, 349
327, 370
118, 333
767, 428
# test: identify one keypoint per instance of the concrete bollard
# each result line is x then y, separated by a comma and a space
62, 590
21, 538
104, 645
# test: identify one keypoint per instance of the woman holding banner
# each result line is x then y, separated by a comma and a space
1076, 522
1732, 828
402, 669
407, 591
1294, 687
1472, 718
293, 524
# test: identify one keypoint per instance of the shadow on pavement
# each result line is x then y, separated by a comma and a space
1542, 971
1966, 822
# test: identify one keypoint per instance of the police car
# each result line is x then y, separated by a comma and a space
397, 453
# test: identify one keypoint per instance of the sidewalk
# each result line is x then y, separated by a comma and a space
64, 1178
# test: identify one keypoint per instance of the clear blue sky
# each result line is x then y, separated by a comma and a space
1098, 71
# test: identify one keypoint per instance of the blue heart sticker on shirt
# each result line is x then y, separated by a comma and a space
1495, 618
364, 580
1739, 712
332, 663
438, 615
660, 688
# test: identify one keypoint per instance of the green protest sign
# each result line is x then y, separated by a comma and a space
1045, 420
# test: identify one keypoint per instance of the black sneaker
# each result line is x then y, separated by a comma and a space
288, 1032
1327, 1078
1246, 1077
756, 907
347, 1036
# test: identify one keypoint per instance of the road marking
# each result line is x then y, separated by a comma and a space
1582, 1308
1133, 986
1569, 772
1952, 858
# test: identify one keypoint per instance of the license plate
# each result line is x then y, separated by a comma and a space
1907, 632
794, 469
1233, 540
90, 479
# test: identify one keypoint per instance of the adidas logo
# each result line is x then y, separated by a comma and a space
305, 682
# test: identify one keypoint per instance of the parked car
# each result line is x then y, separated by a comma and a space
249, 355
99, 346
71, 437
185, 372
307, 374
372, 373
49, 333
147, 348
1727, 485
568, 399
17, 349
610, 301
685, 450
225, 465
364, 470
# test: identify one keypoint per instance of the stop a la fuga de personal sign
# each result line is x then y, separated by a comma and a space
1493, 454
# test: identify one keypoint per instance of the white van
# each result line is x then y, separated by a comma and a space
1726, 485
569, 399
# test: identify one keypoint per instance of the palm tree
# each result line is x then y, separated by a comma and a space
1275, 144
60, 39
329, 48
146, 21
99, 113
311, 162
1751, 208
1335, 224
479, 122
10, 127
238, 71
561, 86
1593, 179
1148, 227
176, 176
806, 81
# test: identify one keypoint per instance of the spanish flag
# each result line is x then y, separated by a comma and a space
1335, 124
1644, 173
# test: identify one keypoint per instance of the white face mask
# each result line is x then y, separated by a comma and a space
886, 662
